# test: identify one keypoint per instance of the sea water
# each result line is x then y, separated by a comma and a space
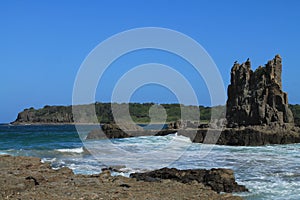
269, 172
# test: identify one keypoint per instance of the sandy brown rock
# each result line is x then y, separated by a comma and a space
27, 178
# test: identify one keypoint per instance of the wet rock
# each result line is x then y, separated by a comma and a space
114, 168
165, 132
108, 132
245, 136
112, 130
220, 180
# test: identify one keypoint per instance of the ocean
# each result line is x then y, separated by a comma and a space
269, 172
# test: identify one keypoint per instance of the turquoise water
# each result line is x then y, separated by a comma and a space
270, 172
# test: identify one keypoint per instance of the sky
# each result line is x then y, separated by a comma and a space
43, 44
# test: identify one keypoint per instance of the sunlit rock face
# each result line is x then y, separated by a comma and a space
256, 98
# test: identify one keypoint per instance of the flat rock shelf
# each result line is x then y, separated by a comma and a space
27, 178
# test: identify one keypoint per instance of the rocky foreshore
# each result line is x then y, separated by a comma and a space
28, 178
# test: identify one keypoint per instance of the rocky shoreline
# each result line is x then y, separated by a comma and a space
28, 178
257, 113
242, 136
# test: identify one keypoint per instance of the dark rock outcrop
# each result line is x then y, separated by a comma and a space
256, 98
165, 132
220, 180
120, 131
244, 136
257, 136
110, 131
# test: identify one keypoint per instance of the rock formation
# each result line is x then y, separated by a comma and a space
257, 111
219, 180
256, 98
245, 136
111, 130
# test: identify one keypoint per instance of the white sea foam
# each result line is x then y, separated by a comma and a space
180, 138
51, 160
3, 153
74, 150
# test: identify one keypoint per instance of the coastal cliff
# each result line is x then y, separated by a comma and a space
46, 115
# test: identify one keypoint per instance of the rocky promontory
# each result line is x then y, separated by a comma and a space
46, 115
27, 178
257, 112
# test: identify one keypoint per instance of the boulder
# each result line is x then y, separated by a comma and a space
112, 130
97, 134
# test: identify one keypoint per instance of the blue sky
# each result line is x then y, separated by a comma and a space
43, 43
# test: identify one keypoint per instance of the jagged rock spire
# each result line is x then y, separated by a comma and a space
256, 98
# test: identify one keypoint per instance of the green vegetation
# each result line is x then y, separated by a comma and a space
138, 112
